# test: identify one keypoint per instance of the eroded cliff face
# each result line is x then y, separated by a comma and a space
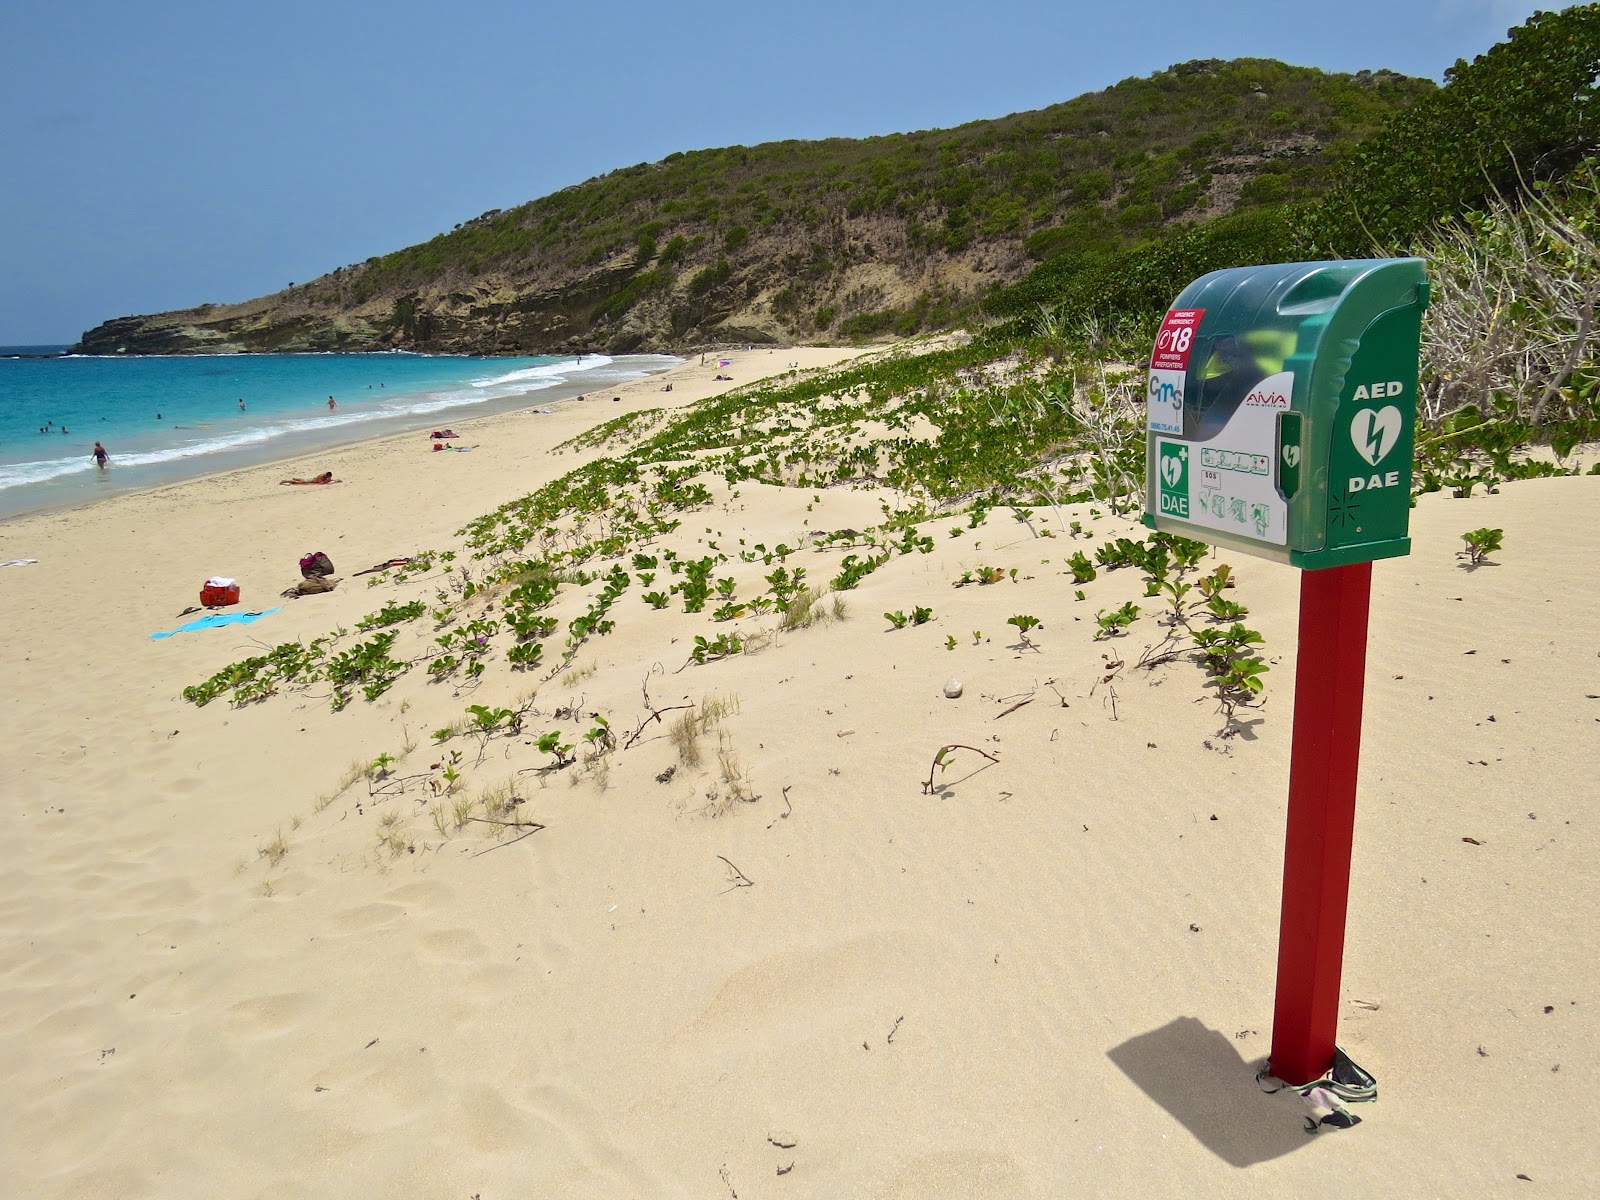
217, 330
772, 296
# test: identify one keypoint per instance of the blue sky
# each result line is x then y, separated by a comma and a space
159, 156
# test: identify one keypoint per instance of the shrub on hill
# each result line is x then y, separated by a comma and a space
1105, 170
1526, 110
1522, 112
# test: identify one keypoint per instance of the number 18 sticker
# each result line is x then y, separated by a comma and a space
1176, 339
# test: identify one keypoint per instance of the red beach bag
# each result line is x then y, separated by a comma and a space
219, 592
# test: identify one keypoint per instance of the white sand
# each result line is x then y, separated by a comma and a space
596, 1012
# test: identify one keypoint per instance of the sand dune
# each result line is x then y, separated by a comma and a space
784, 969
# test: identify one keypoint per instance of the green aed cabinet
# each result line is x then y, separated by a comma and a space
1280, 410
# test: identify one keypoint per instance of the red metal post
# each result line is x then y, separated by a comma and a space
1325, 752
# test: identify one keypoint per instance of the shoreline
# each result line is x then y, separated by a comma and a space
273, 464
61, 493
640, 392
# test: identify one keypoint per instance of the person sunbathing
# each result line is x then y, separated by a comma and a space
325, 477
443, 433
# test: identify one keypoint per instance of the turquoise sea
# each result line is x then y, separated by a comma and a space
164, 418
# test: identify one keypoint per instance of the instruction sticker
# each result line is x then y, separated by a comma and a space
1229, 486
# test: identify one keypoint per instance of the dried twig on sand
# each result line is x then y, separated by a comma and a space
736, 878
941, 758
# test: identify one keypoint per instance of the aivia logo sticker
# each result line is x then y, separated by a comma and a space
1374, 433
1172, 464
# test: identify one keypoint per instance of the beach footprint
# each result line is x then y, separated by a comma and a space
364, 918
270, 1016
452, 946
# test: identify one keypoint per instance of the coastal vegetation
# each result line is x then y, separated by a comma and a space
1037, 413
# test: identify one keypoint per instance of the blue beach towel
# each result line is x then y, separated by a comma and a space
212, 620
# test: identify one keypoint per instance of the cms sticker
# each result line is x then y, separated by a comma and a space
1167, 391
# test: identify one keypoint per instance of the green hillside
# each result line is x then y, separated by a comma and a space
835, 240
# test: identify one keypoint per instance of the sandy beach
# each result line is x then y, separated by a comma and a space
767, 961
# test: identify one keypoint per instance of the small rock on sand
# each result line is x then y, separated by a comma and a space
952, 688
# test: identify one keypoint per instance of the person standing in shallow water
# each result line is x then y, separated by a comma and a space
330, 403
100, 456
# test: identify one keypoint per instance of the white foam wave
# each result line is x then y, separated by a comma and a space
21, 474
556, 372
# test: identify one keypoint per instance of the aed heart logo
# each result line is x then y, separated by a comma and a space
1374, 433
1171, 470
1291, 456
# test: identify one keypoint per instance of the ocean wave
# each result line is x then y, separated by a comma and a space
39, 471
555, 372
22, 474
479, 392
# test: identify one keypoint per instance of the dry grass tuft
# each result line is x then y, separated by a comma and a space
495, 800
801, 612
735, 776
716, 804
391, 837
809, 608
685, 735
357, 770
275, 851
579, 674
598, 769
713, 708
